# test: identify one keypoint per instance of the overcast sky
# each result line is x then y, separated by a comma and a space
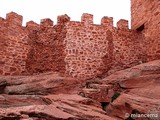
39, 9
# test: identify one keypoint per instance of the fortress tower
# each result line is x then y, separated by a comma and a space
145, 18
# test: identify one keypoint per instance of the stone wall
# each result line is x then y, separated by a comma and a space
13, 45
31, 49
80, 49
86, 44
127, 48
146, 19
91, 50
47, 51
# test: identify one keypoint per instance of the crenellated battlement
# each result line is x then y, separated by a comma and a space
107, 21
32, 25
46, 22
86, 19
122, 24
63, 19
14, 19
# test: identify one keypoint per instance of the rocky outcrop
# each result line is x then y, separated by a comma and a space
47, 96
51, 96
42, 84
51, 107
139, 88
150, 68
128, 92
127, 105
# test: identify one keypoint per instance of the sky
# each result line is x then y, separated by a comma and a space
40, 9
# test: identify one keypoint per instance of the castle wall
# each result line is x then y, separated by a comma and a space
146, 19
79, 49
31, 49
13, 45
93, 49
40, 57
86, 44
47, 51
127, 50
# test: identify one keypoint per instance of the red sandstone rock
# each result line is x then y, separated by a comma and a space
100, 93
131, 103
55, 97
139, 88
46, 96
82, 50
149, 68
62, 106
46, 83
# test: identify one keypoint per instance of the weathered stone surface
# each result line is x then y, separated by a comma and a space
149, 68
46, 83
139, 88
145, 18
47, 96
51, 107
91, 54
51, 96
13, 45
132, 104
100, 93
